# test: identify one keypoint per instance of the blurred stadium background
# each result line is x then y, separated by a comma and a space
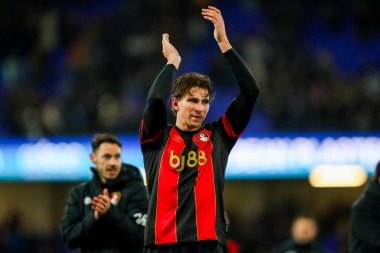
69, 69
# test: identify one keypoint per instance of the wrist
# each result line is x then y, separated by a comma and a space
224, 46
175, 61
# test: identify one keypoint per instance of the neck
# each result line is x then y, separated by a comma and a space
186, 128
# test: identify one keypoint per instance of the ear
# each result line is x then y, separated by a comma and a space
175, 104
93, 158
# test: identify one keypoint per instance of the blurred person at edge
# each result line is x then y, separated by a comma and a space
365, 218
304, 231
108, 213
231, 246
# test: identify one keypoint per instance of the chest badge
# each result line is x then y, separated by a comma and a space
202, 137
115, 198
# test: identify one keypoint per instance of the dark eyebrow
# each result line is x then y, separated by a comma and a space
109, 155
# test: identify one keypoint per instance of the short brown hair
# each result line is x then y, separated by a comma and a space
104, 137
183, 84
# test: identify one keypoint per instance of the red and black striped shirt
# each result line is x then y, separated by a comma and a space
185, 170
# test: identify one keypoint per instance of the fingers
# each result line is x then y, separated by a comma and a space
96, 214
165, 38
96, 203
211, 13
215, 9
100, 208
101, 199
170, 52
101, 203
212, 9
214, 15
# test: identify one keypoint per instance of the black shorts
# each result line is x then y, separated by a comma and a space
187, 247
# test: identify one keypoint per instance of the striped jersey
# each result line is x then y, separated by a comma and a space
185, 174
185, 170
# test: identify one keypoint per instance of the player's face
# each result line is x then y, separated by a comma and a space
192, 109
107, 161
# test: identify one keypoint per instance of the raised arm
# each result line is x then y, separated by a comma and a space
155, 113
240, 109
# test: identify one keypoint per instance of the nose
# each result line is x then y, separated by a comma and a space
113, 161
199, 107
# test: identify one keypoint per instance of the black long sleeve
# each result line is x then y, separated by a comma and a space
155, 113
239, 111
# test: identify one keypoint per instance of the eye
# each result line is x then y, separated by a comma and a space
205, 101
193, 100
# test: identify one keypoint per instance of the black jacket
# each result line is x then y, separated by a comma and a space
365, 221
121, 229
290, 246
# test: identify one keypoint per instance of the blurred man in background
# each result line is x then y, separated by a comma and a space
108, 213
304, 231
185, 163
365, 218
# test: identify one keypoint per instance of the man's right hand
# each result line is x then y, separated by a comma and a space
101, 204
170, 52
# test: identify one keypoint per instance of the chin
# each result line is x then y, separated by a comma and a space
197, 123
195, 127
111, 177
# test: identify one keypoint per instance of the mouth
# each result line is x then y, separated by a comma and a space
111, 171
197, 118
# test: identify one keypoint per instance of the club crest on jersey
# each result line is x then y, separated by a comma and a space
115, 198
202, 136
